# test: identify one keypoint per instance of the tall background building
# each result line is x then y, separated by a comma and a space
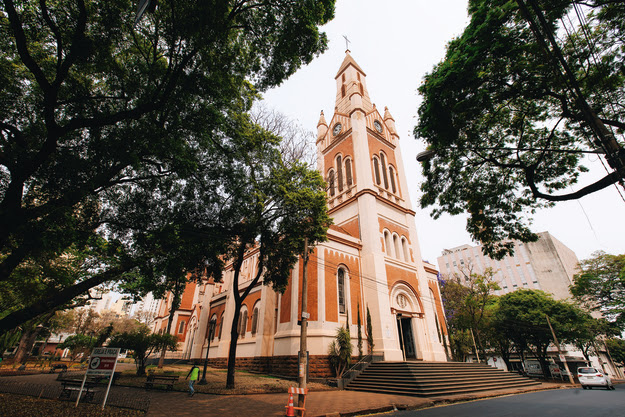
546, 264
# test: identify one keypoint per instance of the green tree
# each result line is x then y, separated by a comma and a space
600, 285
272, 208
506, 94
616, 347
143, 343
340, 351
370, 343
96, 111
588, 332
466, 297
78, 344
521, 317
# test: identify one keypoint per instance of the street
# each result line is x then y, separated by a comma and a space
554, 403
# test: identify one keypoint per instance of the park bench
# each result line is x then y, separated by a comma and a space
167, 380
73, 385
60, 366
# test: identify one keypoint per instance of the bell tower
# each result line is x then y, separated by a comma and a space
360, 159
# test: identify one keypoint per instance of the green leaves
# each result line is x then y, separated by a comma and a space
142, 343
499, 90
600, 285
129, 133
467, 300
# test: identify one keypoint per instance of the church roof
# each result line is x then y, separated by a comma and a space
347, 62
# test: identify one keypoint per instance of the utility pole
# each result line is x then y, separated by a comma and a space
475, 346
303, 347
562, 358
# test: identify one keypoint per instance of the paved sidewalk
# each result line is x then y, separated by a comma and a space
318, 404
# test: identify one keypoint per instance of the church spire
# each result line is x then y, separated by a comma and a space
322, 127
390, 122
351, 87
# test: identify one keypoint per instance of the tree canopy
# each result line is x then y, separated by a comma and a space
99, 116
521, 317
600, 285
467, 298
525, 78
141, 342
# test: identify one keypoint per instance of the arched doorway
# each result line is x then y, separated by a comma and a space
406, 307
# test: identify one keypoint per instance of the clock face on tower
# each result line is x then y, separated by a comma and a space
337, 129
378, 126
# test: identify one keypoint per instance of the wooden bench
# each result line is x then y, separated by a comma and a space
95, 379
73, 385
60, 366
299, 391
167, 380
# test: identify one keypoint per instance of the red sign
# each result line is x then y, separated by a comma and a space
102, 361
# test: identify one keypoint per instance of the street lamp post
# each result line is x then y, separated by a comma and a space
211, 331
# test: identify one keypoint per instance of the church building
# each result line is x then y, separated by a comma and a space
371, 261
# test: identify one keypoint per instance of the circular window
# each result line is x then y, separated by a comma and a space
337, 129
378, 126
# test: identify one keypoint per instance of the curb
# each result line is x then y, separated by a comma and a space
439, 401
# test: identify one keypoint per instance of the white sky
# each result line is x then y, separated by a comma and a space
396, 42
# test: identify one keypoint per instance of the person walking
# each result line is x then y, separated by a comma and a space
192, 376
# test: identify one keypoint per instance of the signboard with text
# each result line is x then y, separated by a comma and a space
102, 361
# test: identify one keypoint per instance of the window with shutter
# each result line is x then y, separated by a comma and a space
341, 284
348, 172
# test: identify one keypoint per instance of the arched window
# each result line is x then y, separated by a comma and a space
242, 322
384, 176
331, 182
339, 172
255, 320
213, 319
343, 86
221, 326
396, 247
181, 328
404, 244
348, 172
342, 293
391, 174
376, 170
387, 243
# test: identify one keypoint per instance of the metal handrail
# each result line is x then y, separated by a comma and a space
351, 374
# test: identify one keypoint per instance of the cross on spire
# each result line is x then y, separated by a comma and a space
347, 41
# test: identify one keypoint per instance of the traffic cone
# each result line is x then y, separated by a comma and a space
290, 411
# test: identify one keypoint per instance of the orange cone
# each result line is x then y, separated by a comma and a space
290, 411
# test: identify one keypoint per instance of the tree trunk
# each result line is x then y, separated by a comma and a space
26, 344
175, 304
161, 359
232, 351
19, 317
238, 302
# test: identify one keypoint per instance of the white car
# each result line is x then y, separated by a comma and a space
591, 377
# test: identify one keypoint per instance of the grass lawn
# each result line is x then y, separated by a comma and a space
245, 382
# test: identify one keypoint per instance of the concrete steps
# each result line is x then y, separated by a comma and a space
431, 379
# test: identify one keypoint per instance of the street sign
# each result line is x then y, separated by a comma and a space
103, 361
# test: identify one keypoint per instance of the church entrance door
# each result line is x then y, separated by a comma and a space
406, 337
